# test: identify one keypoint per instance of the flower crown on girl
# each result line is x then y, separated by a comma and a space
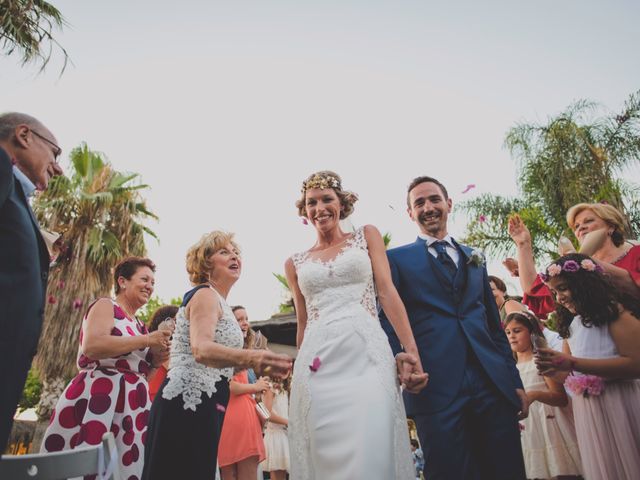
570, 266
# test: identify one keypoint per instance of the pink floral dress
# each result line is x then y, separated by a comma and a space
108, 394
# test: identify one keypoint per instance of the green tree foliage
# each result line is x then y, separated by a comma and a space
31, 393
99, 213
578, 156
155, 302
26, 29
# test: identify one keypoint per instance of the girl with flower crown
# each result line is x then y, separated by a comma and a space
548, 435
600, 365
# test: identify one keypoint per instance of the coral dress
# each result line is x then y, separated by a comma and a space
607, 425
549, 443
241, 435
275, 436
107, 394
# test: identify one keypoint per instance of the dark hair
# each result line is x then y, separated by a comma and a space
415, 443
527, 319
128, 267
237, 307
424, 179
594, 297
160, 315
500, 285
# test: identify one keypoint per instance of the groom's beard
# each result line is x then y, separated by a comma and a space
432, 222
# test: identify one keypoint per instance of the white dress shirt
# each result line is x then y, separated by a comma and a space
451, 250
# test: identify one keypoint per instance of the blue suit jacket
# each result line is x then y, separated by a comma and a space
447, 319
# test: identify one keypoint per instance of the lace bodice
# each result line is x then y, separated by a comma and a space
188, 377
345, 281
340, 300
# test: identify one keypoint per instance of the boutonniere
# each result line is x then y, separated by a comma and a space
477, 258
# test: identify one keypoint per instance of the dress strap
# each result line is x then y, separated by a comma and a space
189, 295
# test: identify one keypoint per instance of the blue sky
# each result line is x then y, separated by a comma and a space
224, 107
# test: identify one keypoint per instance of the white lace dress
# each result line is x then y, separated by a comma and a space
347, 420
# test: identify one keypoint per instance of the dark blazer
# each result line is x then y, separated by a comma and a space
451, 320
24, 267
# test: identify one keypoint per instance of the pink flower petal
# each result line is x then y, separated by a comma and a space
61, 284
304, 221
482, 219
315, 365
77, 303
469, 187
220, 408
52, 300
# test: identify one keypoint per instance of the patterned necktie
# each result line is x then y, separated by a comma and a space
444, 258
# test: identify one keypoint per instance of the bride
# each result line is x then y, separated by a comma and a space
347, 420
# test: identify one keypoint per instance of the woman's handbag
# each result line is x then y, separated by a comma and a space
263, 412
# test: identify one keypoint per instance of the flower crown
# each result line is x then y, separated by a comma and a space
570, 266
321, 181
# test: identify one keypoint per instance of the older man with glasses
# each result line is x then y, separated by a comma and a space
28, 159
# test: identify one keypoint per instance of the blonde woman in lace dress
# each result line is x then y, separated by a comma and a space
188, 411
347, 420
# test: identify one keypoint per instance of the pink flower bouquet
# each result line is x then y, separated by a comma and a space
584, 385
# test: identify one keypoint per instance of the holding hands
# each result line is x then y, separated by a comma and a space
410, 374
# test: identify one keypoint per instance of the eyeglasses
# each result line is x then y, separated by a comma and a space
56, 149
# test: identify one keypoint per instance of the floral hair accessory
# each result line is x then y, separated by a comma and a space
570, 266
321, 181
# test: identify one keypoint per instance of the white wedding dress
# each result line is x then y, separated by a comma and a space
347, 420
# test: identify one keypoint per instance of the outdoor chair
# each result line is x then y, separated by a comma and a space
101, 459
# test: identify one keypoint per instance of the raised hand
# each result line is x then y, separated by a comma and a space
511, 264
518, 231
551, 362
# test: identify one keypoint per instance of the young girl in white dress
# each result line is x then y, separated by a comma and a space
549, 443
600, 365
276, 399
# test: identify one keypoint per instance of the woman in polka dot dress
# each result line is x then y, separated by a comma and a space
110, 391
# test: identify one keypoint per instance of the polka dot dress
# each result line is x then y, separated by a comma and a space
108, 394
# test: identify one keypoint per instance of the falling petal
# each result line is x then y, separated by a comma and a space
469, 187
391, 207
304, 221
482, 219
315, 365
220, 408
77, 303
52, 300
521, 425
61, 284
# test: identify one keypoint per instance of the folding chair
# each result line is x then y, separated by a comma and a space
101, 460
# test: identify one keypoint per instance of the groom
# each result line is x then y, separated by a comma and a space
467, 416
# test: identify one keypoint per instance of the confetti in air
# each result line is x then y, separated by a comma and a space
315, 365
469, 187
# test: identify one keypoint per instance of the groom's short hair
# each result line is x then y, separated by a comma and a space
424, 179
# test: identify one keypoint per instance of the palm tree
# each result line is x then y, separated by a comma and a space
98, 211
26, 28
575, 157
